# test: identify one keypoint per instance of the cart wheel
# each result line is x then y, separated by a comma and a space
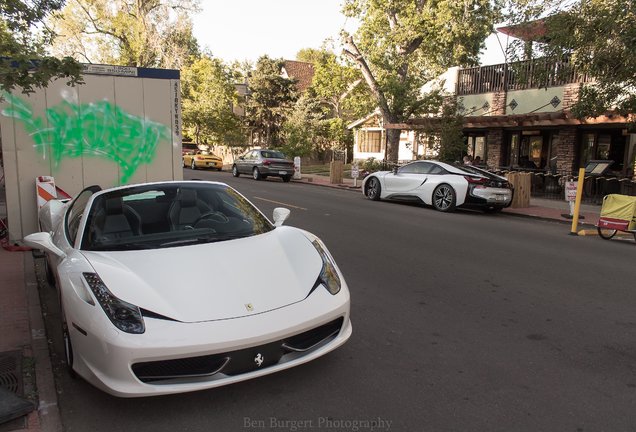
606, 233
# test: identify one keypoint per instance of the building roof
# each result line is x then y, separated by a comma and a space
300, 71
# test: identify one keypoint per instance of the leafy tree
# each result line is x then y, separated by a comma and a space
208, 95
340, 86
402, 44
23, 61
270, 101
598, 38
301, 129
142, 33
338, 96
451, 143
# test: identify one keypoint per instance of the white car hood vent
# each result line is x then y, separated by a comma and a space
214, 281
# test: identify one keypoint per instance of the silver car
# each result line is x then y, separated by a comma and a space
262, 164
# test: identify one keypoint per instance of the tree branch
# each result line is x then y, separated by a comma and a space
352, 52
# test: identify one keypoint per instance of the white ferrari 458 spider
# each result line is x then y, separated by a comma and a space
180, 286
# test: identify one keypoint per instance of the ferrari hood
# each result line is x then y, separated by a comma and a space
214, 281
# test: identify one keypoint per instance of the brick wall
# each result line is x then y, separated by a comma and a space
566, 149
570, 95
494, 140
499, 103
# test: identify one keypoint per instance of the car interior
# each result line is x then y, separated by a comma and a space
174, 212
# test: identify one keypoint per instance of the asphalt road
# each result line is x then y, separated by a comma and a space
462, 322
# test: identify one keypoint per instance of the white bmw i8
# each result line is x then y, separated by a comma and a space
179, 286
442, 185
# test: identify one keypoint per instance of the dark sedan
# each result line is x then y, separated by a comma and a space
264, 163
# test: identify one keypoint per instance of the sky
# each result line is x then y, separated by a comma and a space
247, 29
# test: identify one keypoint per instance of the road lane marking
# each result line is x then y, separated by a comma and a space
281, 203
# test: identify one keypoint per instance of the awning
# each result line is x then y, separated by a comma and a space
529, 31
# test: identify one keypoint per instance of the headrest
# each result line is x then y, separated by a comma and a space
188, 197
114, 206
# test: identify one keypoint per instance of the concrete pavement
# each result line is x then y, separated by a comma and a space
22, 328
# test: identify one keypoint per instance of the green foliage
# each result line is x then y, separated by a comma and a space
23, 39
340, 86
208, 96
451, 145
597, 38
142, 33
270, 101
402, 44
371, 165
300, 131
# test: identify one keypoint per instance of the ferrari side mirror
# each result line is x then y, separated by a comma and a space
280, 215
43, 241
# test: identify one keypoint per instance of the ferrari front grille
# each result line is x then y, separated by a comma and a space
236, 362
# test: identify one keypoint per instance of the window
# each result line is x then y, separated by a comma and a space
75, 212
416, 168
477, 148
369, 141
530, 149
603, 145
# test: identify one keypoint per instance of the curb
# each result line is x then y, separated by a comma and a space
549, 219
328, 185
48, 410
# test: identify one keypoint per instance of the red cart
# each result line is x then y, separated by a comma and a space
618, 213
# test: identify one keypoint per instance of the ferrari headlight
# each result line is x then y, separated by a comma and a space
126, 317
328, 275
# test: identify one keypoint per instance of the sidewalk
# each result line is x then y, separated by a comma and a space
22, 327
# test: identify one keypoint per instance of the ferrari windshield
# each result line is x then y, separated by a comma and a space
169, 214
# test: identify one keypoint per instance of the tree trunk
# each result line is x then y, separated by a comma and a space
392, 144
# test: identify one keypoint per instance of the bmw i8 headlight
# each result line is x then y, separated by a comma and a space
126, 317
328, 275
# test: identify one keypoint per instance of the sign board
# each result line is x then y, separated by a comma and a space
297, 173
355, 171
98, 69
570, 190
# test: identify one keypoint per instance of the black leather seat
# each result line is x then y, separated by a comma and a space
186, 209
116, 220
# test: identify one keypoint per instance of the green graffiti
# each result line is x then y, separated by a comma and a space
100, 129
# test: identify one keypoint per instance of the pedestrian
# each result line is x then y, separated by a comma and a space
467, 160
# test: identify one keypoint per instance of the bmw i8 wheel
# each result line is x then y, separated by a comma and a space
373, 189
444, 198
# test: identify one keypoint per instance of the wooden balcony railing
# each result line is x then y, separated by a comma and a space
521, 75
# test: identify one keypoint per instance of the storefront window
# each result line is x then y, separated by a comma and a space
476, 149
605, 145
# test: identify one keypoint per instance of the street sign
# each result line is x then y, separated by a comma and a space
355, 171
297, 174
570, 191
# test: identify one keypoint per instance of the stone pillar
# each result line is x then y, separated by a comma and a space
499, 103
566, 150
570, 95
494, 143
